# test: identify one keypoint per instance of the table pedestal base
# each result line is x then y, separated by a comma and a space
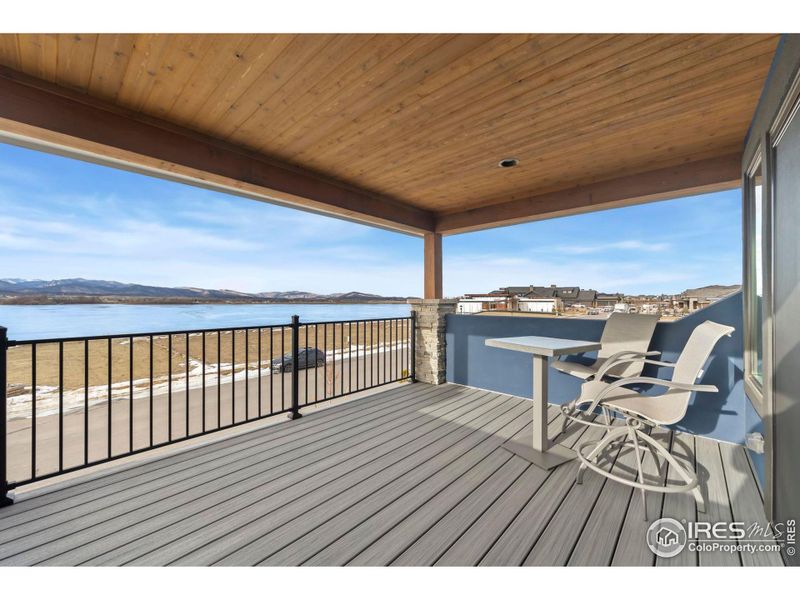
554, 456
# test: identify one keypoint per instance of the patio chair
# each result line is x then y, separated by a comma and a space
640, 412
625, 336
624, 353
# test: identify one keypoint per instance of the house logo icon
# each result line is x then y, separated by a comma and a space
666, 537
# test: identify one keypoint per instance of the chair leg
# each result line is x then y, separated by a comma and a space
633, 433
567, 410
679, 469
601, 445
653, 454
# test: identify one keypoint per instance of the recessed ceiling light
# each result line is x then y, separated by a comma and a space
507, 163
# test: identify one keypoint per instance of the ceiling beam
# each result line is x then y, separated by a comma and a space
711, 175
38, 114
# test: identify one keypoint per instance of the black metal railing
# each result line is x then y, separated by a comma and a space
72, 403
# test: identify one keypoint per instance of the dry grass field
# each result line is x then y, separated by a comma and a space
86, 363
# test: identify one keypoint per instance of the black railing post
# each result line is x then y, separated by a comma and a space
413, 351
4, 499
295, 412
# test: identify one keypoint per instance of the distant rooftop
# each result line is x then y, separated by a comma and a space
569, 293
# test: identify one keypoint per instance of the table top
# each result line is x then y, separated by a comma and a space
543, 346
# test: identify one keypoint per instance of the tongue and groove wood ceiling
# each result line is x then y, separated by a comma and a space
422, 120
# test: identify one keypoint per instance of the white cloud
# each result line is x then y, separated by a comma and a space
127, 237
636, 245
245, 246
19, 176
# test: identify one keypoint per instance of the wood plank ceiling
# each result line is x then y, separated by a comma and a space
424, 119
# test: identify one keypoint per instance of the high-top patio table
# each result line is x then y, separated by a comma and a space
542, 453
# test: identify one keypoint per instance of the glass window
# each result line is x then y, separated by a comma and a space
755, 286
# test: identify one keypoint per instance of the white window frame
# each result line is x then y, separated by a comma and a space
753, 387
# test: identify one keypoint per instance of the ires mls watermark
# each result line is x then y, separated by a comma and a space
668, 537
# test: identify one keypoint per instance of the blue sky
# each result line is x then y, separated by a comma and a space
63, 218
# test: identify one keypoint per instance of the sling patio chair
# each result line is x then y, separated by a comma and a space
624, 353
625, 336
642, 412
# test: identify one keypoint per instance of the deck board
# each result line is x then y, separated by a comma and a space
213, 483
428, 547
289, 492
718, 508
356, 541
466, 456
410, 476
251, 526
680, 507
595, 546
191, 472
473, 544
438, 539
514, 546
631, 549
555, 545
745, 501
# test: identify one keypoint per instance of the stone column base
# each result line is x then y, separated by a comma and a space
430, 343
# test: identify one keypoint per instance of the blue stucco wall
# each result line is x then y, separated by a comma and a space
720, 416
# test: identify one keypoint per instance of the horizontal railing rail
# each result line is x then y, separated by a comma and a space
76, 402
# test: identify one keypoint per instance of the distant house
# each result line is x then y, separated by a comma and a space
514, 290
587, 298
694, 299
554, 299
475, 303
650, 308
607, 300
540, 305
563, 296
570, 296
536, 298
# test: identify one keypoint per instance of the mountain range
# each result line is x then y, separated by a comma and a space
73, 290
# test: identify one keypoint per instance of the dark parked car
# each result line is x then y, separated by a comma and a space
307, 358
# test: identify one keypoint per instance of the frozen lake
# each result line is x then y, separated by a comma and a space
73, 320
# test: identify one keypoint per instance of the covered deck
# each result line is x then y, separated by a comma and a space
413, 475
429, 135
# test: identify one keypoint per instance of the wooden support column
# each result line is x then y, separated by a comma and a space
433, 266
431, 318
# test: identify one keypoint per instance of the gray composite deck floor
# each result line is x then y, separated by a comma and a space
409, 476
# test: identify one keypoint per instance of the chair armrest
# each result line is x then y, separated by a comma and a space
673, 385
602, 372
689, 387
622, 353
627, 356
